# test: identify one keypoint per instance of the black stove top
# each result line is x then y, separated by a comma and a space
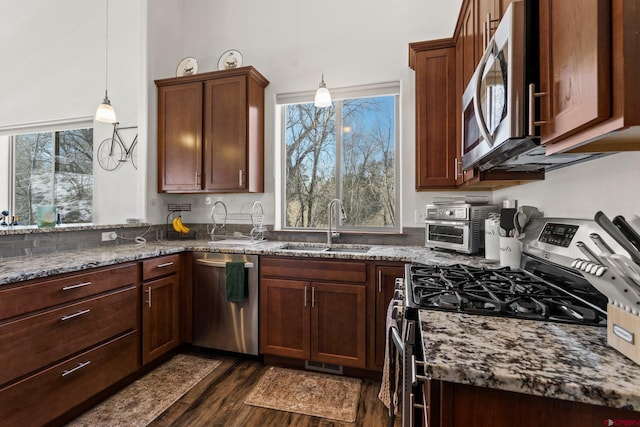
500, 292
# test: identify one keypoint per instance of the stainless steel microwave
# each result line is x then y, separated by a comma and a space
494, 104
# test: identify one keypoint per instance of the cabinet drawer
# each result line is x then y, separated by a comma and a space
46, 395
161, 266
300, 269
39, 294
31, 342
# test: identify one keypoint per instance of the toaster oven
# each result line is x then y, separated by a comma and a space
458, 227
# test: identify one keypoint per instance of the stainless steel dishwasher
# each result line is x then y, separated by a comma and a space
218, 324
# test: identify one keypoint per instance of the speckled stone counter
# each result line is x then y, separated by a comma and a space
570, 362
22, 268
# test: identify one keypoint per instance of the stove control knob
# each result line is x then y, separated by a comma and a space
575, 262
600, 270
579, 264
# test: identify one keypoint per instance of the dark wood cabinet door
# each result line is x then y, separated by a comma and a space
385, 287
160, 317
575, 65
180, 137
284, 317
338, 324
225, 134
435, 118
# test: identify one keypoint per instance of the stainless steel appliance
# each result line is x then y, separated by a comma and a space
498, 103
218, 324
457, 226
548, 287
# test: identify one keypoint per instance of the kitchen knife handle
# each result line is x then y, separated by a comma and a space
603, 221
628, 231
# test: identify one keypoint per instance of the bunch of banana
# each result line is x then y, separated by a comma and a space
179, 226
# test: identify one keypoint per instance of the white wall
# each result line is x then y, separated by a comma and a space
54, 69
609, 184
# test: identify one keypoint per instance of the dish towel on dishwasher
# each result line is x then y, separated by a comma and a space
235, 281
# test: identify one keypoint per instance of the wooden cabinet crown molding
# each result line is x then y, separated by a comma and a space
422, 46
249, 71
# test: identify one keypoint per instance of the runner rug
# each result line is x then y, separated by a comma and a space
145, 399
308, 393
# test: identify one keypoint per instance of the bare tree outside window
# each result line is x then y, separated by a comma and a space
345, 151
54, 168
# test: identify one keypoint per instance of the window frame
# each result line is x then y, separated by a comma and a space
8, 135
337, 94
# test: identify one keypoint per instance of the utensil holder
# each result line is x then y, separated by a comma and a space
510, 252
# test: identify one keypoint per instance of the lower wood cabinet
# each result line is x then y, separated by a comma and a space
64, 339
160, 306
385, 278
40, 398
318, 318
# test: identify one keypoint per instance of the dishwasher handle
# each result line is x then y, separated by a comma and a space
219, 264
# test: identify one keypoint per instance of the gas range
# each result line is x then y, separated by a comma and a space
501, 292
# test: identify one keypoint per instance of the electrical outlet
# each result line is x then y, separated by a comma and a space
420, 216
207, 200
109, 235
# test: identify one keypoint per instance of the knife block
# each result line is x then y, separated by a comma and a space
623, 332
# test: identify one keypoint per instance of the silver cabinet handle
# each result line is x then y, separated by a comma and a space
149, 300
166, 264
80, 366
221, 264
532, 96
313, 296
379, 281
240, 178
71, 316
305, 296
79, 285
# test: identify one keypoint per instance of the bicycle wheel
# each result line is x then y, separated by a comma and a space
109, 154
133, 152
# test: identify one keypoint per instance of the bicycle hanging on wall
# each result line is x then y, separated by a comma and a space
113, 151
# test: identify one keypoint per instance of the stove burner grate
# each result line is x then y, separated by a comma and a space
501, 292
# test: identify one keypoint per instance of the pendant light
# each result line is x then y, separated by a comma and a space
323, 97
105, 112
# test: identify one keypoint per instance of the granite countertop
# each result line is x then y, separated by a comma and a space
17, 269
571, 362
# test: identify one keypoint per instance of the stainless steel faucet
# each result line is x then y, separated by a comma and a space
343, 216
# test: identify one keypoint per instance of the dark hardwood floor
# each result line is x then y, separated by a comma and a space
218, 400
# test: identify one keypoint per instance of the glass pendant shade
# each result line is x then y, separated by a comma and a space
105, 112
323, 97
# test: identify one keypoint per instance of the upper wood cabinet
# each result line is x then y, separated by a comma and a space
589, 62
211, 132
435, 67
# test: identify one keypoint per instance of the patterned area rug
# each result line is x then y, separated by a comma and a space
145, 399
309, 393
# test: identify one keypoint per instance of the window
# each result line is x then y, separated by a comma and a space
50, 168
346, 151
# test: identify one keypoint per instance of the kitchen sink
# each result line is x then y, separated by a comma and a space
305, 248
324, 248
357, 250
